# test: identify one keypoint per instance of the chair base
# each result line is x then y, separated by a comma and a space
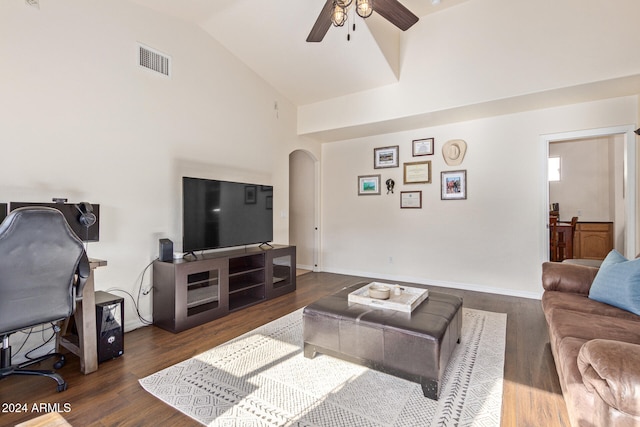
6, 371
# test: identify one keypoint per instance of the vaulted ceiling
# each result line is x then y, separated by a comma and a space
579, 56
270, 37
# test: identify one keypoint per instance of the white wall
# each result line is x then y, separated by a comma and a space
80, 119
493, 241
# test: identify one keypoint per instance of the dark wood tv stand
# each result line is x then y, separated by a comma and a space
195, 290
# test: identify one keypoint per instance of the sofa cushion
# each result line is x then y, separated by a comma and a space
618, 283
578, 302
588, 326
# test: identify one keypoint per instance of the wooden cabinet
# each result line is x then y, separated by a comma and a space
593, 240
190, 292
187, 294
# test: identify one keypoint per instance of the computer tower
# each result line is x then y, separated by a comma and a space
109, 325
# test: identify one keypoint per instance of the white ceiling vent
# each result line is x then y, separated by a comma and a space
154, 60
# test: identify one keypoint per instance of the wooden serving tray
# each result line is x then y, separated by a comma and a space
408, 300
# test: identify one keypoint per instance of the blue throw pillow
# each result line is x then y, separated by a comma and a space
617, 283
614, 257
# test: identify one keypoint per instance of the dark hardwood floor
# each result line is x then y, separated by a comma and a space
112, 396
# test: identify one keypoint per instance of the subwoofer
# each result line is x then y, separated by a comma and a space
166, 250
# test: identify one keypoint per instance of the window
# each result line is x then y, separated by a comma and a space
554, 169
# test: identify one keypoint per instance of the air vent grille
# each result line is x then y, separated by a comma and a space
154, 60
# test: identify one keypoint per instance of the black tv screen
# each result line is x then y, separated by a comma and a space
221, 214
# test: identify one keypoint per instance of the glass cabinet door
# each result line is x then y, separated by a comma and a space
283, 270
203, 291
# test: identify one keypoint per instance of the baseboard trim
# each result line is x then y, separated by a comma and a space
454, 285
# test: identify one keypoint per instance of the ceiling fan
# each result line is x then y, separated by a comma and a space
391, 10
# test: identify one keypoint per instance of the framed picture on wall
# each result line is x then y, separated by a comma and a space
422, 147
385, 157
411, 199
250, 192
368, 185
417, 172
454, 185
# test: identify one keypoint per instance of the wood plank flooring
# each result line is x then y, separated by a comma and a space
112, 396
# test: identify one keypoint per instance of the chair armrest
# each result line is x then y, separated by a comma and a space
558, 276
611, 370
83, 271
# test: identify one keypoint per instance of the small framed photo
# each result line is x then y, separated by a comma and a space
385, 157
368, 185
417, 172
422, 147
454, 185
411, 199
250, 194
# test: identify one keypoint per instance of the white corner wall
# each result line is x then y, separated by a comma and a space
487, 50
493, 241
80, 119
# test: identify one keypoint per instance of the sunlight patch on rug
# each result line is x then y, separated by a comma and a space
262, 379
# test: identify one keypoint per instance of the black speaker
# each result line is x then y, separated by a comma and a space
166, 250
109, 325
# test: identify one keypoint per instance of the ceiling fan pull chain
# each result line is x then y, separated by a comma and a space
354, 27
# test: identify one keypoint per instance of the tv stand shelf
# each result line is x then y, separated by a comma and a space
246, 288
200, 296
198, 289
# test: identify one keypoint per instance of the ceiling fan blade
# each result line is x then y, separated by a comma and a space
322, 24
394, 12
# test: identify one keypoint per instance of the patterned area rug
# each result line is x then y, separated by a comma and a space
262, 379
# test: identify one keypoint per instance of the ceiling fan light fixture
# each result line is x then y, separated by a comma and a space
338, 15
336, 12
364, 8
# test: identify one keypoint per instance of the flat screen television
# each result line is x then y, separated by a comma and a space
71, 213
220, 214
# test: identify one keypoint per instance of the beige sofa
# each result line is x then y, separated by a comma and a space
596, 348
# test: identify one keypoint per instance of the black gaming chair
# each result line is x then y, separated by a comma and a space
43, 268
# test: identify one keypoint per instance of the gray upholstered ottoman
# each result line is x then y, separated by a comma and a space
415, 346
